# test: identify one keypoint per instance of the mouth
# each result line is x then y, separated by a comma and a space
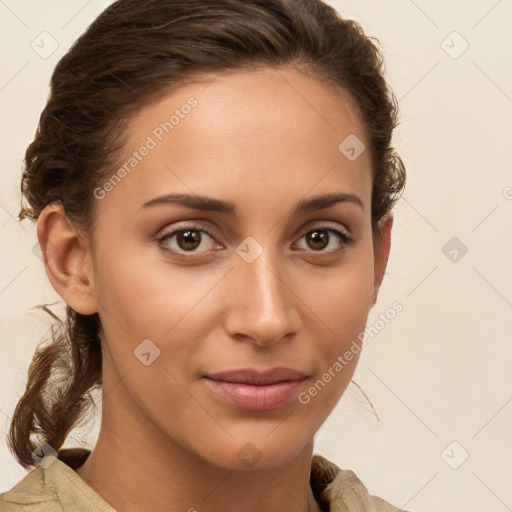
256, 390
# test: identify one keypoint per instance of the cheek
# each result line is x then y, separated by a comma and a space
350, 284
146, 297
347, 300
160, 304
343, 313
341, 306
170, 306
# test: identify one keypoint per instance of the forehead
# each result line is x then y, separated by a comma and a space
269, 133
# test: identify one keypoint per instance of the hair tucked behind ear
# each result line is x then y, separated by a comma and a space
132, 54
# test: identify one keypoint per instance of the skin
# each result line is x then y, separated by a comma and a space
264, 139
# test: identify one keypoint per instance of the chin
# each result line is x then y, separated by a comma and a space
259, 451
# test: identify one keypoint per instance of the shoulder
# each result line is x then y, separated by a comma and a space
343, 490
31, 493
55, 488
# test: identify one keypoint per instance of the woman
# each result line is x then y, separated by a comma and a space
213, 184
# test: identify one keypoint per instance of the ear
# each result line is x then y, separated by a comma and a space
67, 259
381, 248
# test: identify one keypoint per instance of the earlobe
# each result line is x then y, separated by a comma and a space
381, 250
67, 259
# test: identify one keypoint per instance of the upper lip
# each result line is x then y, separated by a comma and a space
258, 377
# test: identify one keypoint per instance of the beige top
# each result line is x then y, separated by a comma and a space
59, 488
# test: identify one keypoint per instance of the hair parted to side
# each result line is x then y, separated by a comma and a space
135, 52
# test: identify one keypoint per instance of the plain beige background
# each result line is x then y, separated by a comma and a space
439, 373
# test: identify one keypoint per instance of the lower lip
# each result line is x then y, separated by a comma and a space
256, 398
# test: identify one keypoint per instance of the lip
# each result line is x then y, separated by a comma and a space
258, 377
255, 389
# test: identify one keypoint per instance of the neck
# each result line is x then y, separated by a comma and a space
135, 466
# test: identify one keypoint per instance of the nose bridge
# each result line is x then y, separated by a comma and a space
262, 307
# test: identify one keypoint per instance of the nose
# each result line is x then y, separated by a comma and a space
261, 305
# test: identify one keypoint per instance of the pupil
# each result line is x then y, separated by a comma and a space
191, 239
319, 237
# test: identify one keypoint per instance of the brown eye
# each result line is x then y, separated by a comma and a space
194, 239
321, 238
188, 240
318, 239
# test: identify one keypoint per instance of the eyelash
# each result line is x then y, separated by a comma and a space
343, 235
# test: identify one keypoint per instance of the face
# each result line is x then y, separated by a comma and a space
242, 270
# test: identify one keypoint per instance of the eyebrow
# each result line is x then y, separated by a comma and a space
210, 204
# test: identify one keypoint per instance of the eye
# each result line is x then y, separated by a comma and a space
321, 237
196, 239
190, 239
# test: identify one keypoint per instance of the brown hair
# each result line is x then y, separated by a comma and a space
132, 54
